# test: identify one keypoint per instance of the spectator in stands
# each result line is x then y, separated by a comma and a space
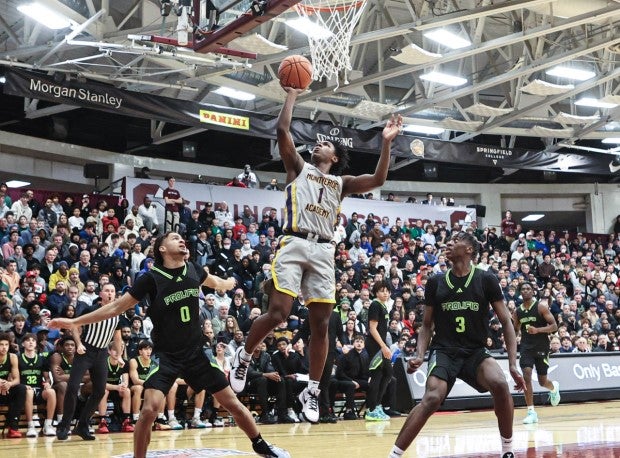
148, 213
236, 183
262, 380
223, 215
273, 185
247, 177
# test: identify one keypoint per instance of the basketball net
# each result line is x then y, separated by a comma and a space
330, 50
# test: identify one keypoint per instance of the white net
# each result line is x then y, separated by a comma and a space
329, 43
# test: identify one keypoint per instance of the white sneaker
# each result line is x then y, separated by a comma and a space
49, 430
293, 415
310, 404
238, 371
32, 432
174, 424
218, 423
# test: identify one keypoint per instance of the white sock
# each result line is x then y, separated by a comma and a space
59, 417
313, 386
530, 409
197, 412
48, 422
396, 452
506, 445
135, 416
245, 355
31, 424
161, 415
171, 414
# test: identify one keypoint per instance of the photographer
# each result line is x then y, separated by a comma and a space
247, 177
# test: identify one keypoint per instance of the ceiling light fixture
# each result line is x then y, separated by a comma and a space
595, 103
2, 79
443, 78
16, 183
429, 130
234, 93
613, 140
46, 16
447, 38
570, 73
308, 27
533, 217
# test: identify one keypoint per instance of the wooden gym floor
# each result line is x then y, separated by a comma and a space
589, 430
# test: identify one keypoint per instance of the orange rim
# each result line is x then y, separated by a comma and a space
309, 9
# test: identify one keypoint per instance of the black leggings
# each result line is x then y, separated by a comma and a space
15, 399
94, 361
380, 378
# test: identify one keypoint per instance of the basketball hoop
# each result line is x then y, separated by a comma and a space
330, 50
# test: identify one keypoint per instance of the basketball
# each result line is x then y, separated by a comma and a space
296, 72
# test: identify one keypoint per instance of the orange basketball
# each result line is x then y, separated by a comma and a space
296, 72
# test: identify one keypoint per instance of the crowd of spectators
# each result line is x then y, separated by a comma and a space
57, 254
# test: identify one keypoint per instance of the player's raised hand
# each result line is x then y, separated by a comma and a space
393, 127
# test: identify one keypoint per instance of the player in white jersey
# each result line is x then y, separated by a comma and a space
305, 260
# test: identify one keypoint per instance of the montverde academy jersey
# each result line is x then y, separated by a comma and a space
313, 203
461, 308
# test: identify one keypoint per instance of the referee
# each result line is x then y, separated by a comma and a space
92, 353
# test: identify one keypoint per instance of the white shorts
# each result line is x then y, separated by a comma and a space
305, 266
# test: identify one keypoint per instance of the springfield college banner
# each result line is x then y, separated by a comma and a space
108, 98
261, 201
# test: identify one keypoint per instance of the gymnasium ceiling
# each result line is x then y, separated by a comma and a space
513, 44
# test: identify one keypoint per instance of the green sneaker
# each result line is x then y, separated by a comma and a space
382, 413
374, 415
532, 417
554, 396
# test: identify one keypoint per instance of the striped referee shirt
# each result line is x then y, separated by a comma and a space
99, 335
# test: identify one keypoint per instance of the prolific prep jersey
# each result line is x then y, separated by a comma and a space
116, 372
174, 309
144, 370
313, 202
461, 308
5, 367
532, 317
31, 369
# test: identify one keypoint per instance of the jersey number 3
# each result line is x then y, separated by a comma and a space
460, 324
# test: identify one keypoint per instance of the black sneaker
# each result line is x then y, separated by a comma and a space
392, 413
267, 419
508, 455
62, 433
350, 415
328, 419
83, 432
266, 450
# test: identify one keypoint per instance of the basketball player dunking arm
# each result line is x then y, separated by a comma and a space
173, 287
457, 309
305, 259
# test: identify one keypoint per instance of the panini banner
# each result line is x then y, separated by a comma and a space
109, 98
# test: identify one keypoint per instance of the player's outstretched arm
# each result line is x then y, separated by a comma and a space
215, 282
293, 162
114, 308
368, 182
